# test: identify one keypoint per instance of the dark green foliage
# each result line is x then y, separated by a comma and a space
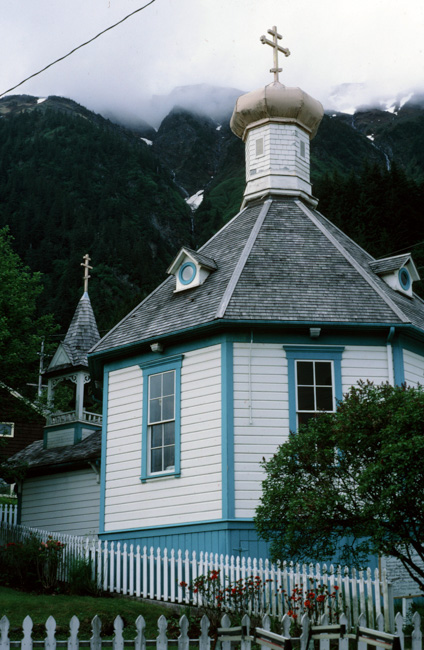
69, 186
80, 579
379, 209
19, 564
351, 483
21, 331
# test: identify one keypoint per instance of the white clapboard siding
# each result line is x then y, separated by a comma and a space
363, 362
413, 368
196, 494
260, 417
64, 503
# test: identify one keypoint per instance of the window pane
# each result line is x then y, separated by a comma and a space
155, 386
156, 460
305, 373
323, 373
169, 433
169, 457
168, 408
303, 418
156, 433
305, 398
325, 399
155, 414
168, 383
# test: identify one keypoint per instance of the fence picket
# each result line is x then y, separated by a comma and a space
4, 633
140, 624
417, 638
118, 639
158, 574
184, 642
74, 625
96, 628
26, 643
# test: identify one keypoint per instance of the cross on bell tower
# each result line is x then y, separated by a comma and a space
86, 266
277, 48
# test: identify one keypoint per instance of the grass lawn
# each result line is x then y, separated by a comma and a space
16, 605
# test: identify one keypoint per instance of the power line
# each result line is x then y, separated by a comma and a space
77, 48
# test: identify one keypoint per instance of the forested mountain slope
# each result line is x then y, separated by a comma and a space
71, 185
72, 182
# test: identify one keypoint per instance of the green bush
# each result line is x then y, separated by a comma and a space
80, 579
19, 564
32, 564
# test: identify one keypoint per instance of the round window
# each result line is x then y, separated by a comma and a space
404, 279
187, 273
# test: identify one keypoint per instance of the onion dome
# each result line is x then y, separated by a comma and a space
276, 103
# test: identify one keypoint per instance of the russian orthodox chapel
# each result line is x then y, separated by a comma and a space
271, 321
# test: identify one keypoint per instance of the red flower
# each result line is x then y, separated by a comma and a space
183, 584
336, 588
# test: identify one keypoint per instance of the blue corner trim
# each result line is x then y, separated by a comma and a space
103, 454
149, 368
227, 435
312, 352
398, 365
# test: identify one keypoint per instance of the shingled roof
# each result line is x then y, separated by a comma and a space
38, 459
82, 334
277, 261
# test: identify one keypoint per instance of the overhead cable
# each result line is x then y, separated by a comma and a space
77, 48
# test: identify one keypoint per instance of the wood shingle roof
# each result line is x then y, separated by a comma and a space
277, 261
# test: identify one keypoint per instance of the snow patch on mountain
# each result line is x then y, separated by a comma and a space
195, 200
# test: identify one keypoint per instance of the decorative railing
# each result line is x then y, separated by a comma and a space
71, 416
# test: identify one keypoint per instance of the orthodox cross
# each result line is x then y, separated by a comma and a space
277, 48
86, 266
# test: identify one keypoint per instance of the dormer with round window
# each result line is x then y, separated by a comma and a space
399, 272
191, 269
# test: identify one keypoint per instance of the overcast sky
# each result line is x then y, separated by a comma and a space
375, 44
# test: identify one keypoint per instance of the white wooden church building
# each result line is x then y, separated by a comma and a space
272, 320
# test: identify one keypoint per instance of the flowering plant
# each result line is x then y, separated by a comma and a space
215, 595
48, 562
314, 603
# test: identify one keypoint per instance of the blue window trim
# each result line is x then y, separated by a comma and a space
405, 282
153, 367
311, 353
181, 271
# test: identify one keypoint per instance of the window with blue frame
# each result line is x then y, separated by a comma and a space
315, 381
161, 422
160, 451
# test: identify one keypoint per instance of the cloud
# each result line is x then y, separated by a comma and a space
374, 43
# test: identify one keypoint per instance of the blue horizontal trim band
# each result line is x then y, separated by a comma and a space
213, 524
218, 324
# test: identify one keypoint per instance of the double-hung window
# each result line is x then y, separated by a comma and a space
161, 422
160, 446
315, 383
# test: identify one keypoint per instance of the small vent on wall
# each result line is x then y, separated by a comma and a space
302, 149
260, 147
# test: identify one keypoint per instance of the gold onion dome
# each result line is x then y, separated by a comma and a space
276, 103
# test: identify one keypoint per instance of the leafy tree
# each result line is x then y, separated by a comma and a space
351, 483
21, 330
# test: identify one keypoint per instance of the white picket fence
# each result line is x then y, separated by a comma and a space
160, 575
183, 642
9, 513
